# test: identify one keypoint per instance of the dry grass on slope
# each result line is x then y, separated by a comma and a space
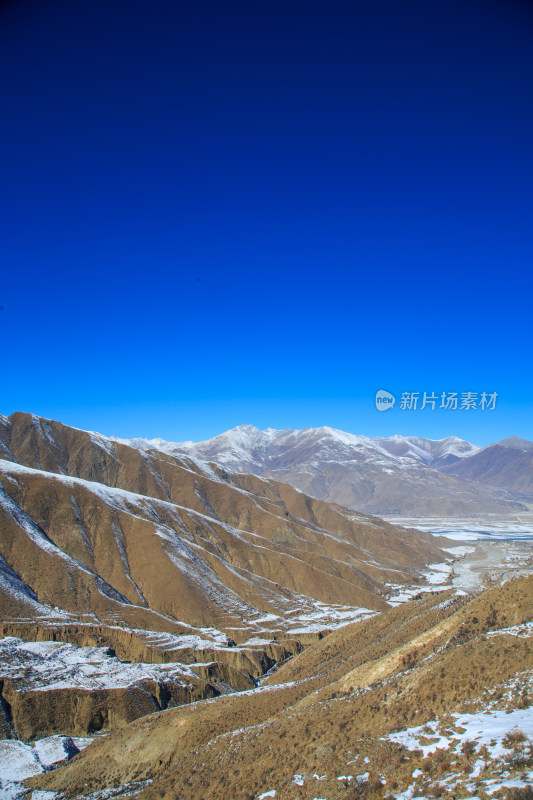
241, 745
369, 640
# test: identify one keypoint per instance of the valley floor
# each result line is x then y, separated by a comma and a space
491, 563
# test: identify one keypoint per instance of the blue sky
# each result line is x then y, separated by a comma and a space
219, 213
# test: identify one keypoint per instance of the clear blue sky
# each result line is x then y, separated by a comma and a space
217, 213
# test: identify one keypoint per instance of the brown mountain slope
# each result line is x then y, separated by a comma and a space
102, 530
163, 560
377, 679
85, 548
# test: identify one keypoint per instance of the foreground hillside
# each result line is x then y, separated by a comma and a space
432, 698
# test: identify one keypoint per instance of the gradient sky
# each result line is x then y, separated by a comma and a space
249, 212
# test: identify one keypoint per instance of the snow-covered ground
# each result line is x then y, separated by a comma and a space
472, 529
437, 578
327, 617
500, 741
57, 665
485, 728
19, 761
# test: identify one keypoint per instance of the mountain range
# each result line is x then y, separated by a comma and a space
125, 524
272, 628
397, 475
160, 558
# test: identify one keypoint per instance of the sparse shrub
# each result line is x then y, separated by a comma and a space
435, 791
468, 748
440, 756
521, 755
514, 737
355, 791
444, 766
526, 793
484, 753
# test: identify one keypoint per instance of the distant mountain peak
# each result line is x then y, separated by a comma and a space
515, 443
245, 427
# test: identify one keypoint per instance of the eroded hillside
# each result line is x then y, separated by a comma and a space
425, 696
158, 559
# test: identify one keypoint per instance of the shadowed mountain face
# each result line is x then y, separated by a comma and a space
395, 476
507, 464
107, 532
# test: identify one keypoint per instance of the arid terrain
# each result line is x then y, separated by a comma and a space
386, 707
169, 629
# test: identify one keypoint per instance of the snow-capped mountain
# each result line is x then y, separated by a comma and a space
246, 444
433, 452
393, 475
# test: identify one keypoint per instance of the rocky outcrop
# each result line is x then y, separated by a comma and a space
51, 687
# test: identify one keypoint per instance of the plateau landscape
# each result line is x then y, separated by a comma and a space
266, 430
385, 476
173, 626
